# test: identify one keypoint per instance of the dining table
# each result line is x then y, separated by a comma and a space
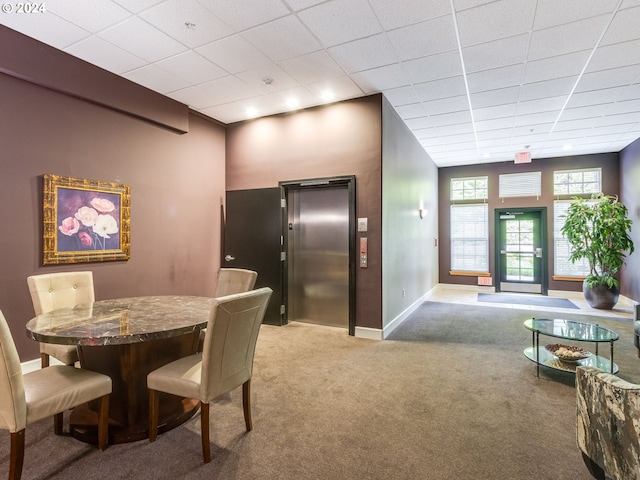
127, 338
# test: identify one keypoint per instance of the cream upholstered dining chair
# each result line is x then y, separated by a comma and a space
231, 280
58, 290
225, 363
25, 399
235, 280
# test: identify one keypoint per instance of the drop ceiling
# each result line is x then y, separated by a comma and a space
475, 81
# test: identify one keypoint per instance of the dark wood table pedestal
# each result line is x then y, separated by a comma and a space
128, 366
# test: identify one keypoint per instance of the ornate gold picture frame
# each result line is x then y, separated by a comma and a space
85, 220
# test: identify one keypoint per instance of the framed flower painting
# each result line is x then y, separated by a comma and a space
85, 220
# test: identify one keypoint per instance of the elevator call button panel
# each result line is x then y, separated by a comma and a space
363, 252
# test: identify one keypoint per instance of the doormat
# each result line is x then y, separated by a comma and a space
538, 301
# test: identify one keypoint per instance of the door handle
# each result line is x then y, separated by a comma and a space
228, 258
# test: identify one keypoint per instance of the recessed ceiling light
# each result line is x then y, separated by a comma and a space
268, 81
293, 103
252, 112
567, 147
327, 95
486, 155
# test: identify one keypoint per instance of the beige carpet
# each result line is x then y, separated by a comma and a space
450, 396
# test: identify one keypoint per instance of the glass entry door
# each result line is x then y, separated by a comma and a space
521, 252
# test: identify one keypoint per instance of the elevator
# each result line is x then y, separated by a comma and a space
320, 252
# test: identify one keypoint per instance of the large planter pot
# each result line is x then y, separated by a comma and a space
601, 296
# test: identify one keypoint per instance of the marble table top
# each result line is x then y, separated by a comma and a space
122, 321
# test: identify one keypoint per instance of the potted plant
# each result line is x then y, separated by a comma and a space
598, 229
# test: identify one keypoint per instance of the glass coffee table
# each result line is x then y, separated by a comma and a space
569, 330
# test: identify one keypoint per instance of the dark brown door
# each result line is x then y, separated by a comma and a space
253, 240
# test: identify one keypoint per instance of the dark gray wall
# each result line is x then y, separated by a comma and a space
176, 180
630, 196
409, 180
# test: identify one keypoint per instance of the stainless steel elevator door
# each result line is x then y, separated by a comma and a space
318, 256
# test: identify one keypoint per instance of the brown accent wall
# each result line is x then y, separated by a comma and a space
339, 139
630, 196
610, 185
177, 188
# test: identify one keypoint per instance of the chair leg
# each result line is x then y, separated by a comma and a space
17, 455
57, 423
204, 427
154, 407
103, 423
44, 360
246, 404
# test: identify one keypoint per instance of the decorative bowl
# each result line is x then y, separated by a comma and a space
568, 353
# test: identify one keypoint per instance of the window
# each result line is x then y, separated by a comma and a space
577, 182
470, 238
562, 266
584, 182
470, 188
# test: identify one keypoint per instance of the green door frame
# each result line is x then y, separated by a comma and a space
544, 267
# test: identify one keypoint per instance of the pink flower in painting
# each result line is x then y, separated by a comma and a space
105, 225
87, 215
103, 205
69, 226
85, 239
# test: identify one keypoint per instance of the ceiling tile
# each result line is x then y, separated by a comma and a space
608, 78
136, 6
274, 39
339, 22
443, 88
624, 27
92, 16
186, 21
568, 38
447, 105
499, 111
495, 21
406, 12
234, 54
492, 98
615, 56
378, 79
191, 67
555, 67
341, 88
50, 29
99, 52
425, 38
495, 78
141, 39
246, 13
433, 67
313, 67
157, 79
259, 78
401, 95
499, 53
594, 97
551, 13
414, 110
364, 54
547, 88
